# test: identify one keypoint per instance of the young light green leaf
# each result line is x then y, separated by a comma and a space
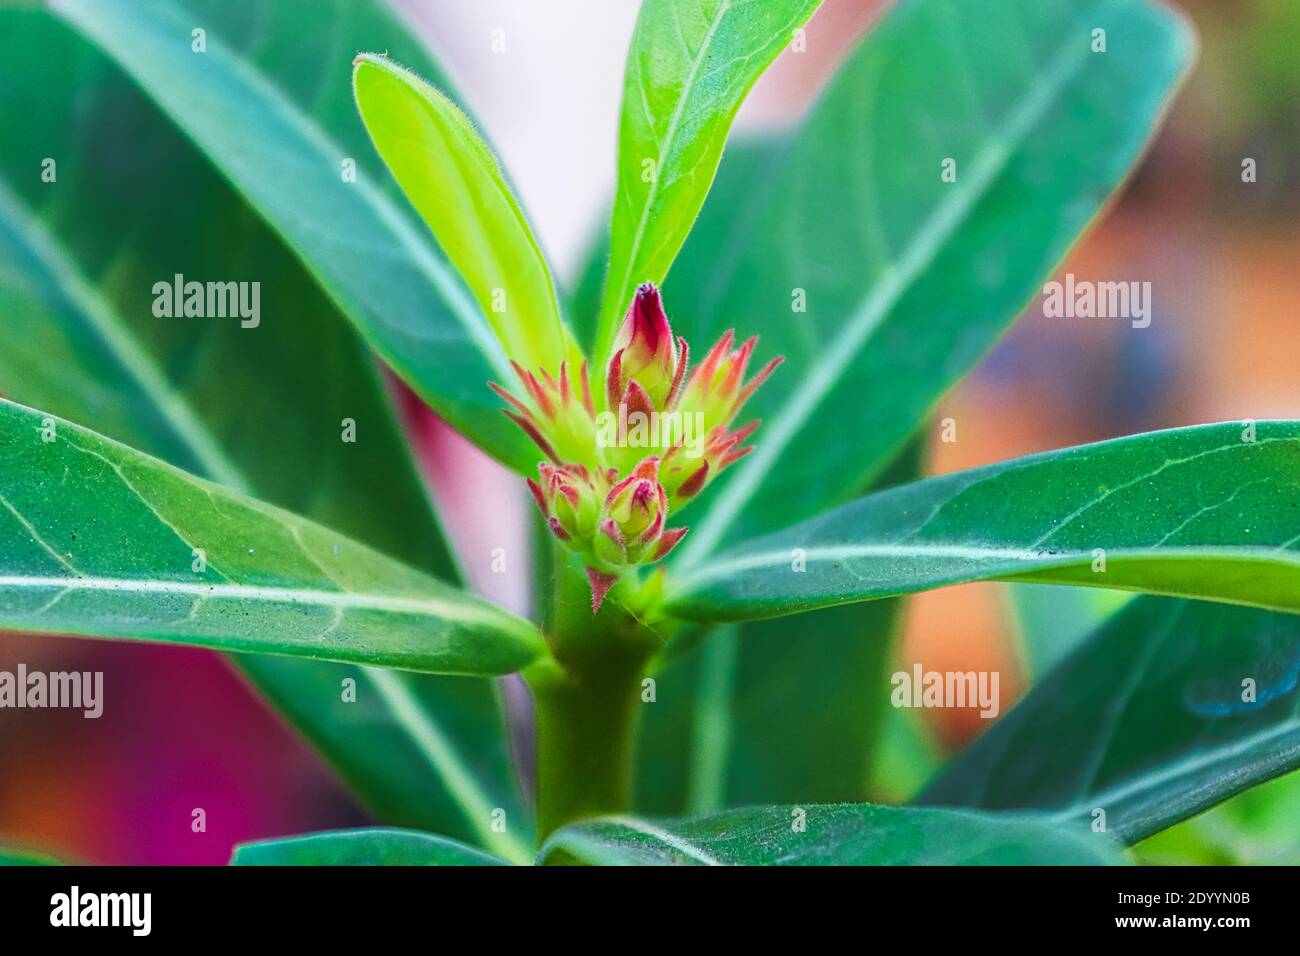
1169, 708
1192, 512
286, 135
452, 179
213, 398
882, 280
690, 65
367, 847
831, 835
97, 539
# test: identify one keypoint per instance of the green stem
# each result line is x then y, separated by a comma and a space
585, 731
587, 703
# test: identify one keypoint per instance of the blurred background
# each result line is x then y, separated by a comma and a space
1222, 255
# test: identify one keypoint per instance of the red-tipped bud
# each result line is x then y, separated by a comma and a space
645, 355
568, 498
559, 417
715, 391
613, 476
647, 338
634, 503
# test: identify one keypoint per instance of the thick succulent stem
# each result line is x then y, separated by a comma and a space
587, 702
585, 731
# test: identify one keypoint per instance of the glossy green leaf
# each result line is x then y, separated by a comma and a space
97, 539
368, 847
906, 280
832, 835
269, 100
250, 407
419, 750
784, 711
1254, 828
1146, 720
1192, 512
689, 67
453, 180
79, 258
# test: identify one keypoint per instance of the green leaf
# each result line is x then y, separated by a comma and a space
452, 179
1145, 721
1191, 512
1254, 828
582, 301
784, 710
272, 108
420, 750
908, 280
250, 408
690, 65
714, 739
834, 835
80, 255
367, 847
97, 539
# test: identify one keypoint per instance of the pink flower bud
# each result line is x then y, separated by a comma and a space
609, 501
558, 415
645, 355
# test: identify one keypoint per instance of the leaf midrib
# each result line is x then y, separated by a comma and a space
1041, 560
272, 595
195, 435
665, 144
671, 840
190, 430
139, 364
285, 110
1143, 784
896, 279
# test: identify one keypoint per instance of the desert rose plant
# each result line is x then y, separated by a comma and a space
719, 429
